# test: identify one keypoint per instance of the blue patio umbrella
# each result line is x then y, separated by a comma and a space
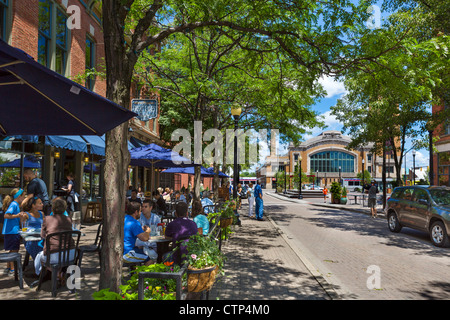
87, 168
155, 156
188, 170
28, 162
221, 174
38, 101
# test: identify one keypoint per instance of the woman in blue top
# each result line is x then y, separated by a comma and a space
11, 225
199, 218
33, 208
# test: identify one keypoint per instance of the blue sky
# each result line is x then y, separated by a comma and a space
335, 91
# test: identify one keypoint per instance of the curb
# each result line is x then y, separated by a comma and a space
326, 286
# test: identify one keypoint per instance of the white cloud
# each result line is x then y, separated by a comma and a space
422, 159
332, 87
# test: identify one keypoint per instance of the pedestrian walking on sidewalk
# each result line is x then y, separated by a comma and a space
259, 208
251, 200
325, 193
373, 190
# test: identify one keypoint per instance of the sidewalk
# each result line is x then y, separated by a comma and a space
261, 265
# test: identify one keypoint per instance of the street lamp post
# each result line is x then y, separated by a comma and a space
300, 196
317, 177
236, 113
362, 176
430, 149
340, 182
414, 166
285, 190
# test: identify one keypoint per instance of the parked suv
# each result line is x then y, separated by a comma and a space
421, 207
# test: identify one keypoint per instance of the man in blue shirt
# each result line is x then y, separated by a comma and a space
259, 208
132, 232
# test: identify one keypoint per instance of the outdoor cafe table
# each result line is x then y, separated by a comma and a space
31, 234
162, 245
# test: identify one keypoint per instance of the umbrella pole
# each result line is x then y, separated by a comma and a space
152, 180
22, 165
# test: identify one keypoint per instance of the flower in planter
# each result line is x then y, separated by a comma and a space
203, 252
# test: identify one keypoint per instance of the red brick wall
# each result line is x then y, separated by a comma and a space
24, 35
443, 139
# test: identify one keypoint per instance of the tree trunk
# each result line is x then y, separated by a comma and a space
383, 176
216, 182
197, 182
119, 68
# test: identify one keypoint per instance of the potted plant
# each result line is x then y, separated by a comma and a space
336, 191
344, 196
205, 261
227, 214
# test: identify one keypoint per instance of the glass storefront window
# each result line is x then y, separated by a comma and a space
3, 16
443, 168
330, 161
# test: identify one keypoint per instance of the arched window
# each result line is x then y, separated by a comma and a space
330, 161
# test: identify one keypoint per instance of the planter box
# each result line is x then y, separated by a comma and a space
201, 279
226, 222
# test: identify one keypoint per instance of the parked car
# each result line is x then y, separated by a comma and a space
423, 208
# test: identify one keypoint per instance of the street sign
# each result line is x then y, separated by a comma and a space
145, 108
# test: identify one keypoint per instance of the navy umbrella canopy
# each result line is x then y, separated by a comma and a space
38, 101
188, 170
156, 156
210, 170
28, 162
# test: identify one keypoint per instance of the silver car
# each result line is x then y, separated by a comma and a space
421, 207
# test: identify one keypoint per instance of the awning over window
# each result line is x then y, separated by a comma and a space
75, 143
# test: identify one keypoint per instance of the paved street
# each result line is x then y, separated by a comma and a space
343, 244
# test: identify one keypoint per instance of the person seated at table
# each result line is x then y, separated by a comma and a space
206, 201
148, 217
160, 203
58, 222
59, 198
132, 232
33, 209
180, 228
199, 217
166, 195
179, 197
134, 197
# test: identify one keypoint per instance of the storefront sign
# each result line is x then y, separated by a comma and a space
145, 108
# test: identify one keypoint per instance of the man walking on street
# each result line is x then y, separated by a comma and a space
259, 208
373, 190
